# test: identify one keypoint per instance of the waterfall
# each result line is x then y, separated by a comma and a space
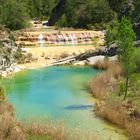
59, 39
71, 38
41, 40
74, 38
65, 38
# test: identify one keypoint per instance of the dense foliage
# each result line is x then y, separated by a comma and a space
98, 13
86, 13
15, 14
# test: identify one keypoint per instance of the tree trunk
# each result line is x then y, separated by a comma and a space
126, 87
57, 12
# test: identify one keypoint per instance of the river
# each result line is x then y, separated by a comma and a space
59, 93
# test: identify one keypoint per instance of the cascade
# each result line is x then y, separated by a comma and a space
41, 40
65, 38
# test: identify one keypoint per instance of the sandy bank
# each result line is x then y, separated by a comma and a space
47, 55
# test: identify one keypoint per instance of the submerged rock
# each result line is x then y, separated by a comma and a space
79, 107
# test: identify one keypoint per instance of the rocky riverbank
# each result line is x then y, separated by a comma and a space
90, 57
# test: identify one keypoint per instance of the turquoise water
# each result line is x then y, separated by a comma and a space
59, 93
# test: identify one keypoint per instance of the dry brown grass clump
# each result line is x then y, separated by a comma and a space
133, 129
105, 86
63, 55
45, 130
113, 111
56, 132
106, 82
9, 127
102, 64
122, 114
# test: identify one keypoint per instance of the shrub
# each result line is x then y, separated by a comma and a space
29, 57
63, 55
19, 56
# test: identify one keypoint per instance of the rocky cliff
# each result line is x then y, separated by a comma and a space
8, 50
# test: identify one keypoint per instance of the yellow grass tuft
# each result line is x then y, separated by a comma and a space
106, 82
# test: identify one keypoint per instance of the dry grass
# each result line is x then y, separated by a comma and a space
112, 107
63, 55
106, 82
122, 114
57, 131
133, 129
112, 110
104, 65
9, 127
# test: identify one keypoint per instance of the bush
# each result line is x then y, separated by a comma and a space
19, 56
63, 55
29, 57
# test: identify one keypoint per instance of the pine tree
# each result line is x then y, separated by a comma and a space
125, 39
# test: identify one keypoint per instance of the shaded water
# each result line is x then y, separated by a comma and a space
59, 93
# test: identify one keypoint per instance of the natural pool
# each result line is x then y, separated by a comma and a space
59, 93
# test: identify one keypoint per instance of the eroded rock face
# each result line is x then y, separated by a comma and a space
58, 37
8, 49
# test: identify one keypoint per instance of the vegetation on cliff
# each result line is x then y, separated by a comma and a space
8, 49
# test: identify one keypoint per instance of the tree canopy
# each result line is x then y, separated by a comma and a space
90, 14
